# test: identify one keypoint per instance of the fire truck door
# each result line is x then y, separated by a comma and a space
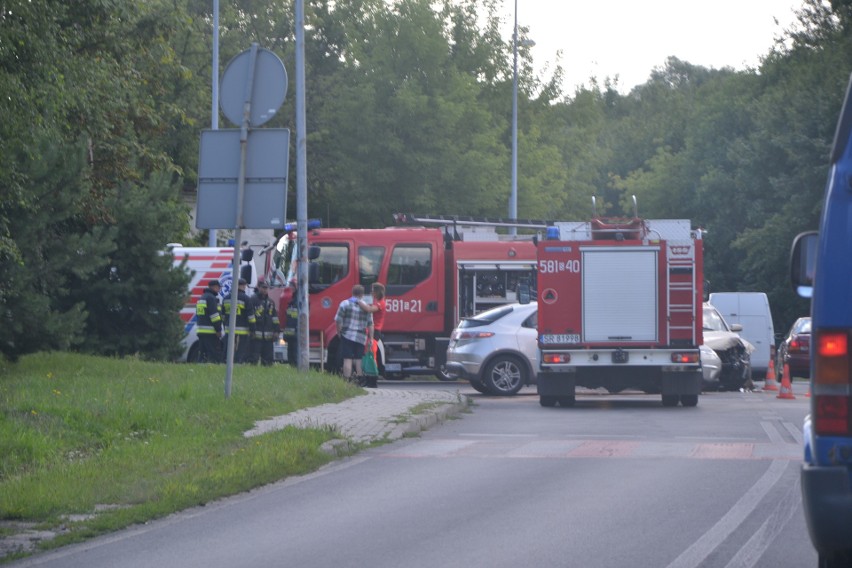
415, 297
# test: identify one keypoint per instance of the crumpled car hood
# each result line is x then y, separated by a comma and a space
722, 340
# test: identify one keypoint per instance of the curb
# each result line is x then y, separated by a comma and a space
419, 422
413, 425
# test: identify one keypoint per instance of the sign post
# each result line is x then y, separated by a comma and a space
252, 90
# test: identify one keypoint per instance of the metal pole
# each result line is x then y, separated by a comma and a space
241, 191
301, 190
513, 198
214, 114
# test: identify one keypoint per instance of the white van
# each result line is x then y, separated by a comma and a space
750, 310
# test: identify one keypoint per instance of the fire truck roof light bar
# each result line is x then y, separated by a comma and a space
407, 219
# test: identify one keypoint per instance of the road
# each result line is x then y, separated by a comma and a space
616, 481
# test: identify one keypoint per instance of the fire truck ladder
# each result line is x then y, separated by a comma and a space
444, 220
681, 299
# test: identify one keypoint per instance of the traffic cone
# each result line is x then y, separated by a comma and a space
771, 384
786, 386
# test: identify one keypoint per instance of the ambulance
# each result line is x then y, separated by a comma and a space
204, 264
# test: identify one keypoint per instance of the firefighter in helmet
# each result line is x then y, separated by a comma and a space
266, 326
208, 312
244, 324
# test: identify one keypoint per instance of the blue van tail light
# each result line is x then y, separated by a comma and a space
832, 415
831, 383
831, 363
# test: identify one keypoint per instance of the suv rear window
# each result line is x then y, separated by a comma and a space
486, 317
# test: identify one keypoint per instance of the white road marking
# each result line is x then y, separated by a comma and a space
693, 556
760, 541
795, 431
773, 433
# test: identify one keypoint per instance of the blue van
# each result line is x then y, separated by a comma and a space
821, 268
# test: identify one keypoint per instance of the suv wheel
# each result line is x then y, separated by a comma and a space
504, 375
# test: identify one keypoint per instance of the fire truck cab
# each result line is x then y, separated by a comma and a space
433, 277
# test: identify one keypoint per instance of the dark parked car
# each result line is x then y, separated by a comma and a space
795, 350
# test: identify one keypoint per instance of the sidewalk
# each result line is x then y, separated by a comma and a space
380, 414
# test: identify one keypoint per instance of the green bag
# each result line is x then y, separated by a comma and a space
368, 365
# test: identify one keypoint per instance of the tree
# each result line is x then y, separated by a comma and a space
69, 151
135, 298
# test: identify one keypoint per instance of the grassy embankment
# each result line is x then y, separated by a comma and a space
134, 440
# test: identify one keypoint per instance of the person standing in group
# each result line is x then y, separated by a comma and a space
266, 326
377, 308
354, 328
209, 318
245, 321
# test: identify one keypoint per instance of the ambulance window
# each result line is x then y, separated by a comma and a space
332, 265
369, 264
409, 265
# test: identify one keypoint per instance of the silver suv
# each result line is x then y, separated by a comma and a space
496, 350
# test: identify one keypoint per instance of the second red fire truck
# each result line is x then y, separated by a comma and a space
620, 307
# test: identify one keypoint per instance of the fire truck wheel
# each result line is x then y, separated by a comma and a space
689, 399
567, 401
671, 399
504, 375
547, 401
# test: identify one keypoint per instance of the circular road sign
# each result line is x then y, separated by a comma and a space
268, 89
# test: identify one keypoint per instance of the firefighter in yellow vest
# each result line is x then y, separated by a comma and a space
208, 313
266, 328
244, 324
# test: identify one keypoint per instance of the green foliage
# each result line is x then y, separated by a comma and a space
55, 252
92, 91
134, 300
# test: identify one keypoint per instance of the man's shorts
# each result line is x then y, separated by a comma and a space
351, 349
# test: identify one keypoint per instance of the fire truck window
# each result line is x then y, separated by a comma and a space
332, 265
409, 265
369, 263
283, 269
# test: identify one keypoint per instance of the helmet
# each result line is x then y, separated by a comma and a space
212, 283
243, 282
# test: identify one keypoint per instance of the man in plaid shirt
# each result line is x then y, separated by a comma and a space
355, 329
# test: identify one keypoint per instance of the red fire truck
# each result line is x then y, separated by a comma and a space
433, 277
620, 308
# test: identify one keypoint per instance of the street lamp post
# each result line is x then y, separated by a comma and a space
513, 197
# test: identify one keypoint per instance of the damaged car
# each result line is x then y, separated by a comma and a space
733, 350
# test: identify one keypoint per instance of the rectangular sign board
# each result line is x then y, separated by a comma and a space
267, 164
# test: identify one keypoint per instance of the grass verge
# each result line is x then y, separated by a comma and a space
113, 442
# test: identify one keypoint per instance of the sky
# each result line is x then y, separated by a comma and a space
629, 38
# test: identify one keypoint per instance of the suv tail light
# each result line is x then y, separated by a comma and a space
468, 335
831, 383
